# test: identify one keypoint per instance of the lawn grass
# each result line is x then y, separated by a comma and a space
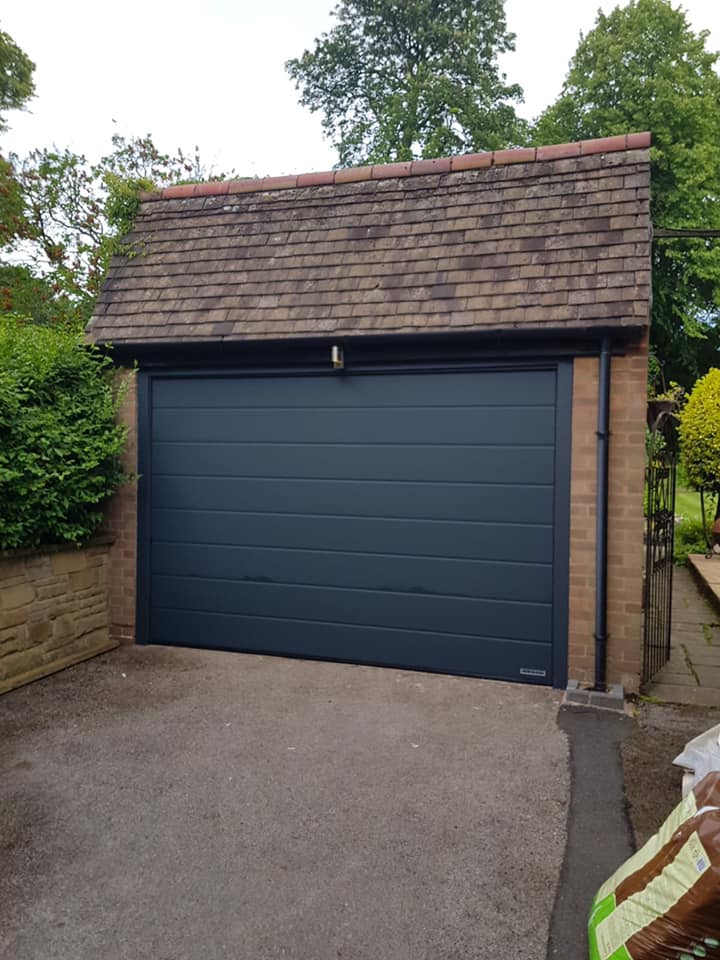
687, 504
689, 536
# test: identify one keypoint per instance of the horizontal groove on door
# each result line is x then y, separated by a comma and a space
405, 500
255, 476
474, 637
528, 425
338, 406
400, 573
521, 620
488, 540
455, 464
427, 389
393, 444
353, 553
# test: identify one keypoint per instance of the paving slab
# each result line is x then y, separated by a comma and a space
683, 694
692, 674
164, 804
703, 657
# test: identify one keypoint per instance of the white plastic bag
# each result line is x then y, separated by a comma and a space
700, 757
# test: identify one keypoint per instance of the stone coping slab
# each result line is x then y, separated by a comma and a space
101, 540
707, 573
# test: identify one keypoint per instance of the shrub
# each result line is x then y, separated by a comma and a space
700, 433
689, 538
60, 445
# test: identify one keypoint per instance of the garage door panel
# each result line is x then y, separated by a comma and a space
401, 519
467, 424
484, 464
470, 578
479, 541
511, 660
529, 388
433, 501
520, 621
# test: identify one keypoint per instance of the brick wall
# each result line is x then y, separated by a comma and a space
122, 523
53, 611
625, 508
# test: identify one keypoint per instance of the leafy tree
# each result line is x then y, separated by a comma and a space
66, 217
16, 82
16, 88
643, 68
23, 294
396, 80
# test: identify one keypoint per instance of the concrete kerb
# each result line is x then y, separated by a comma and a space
611, 699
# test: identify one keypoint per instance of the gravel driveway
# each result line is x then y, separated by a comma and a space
188, 805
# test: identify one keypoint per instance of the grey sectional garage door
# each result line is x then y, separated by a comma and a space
400, 519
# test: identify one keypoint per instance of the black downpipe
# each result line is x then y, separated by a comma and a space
601, 528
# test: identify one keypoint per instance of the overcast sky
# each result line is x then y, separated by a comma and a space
212, 73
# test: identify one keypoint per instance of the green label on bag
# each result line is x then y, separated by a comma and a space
602, 909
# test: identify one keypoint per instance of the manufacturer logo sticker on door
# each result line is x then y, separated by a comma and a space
529, 672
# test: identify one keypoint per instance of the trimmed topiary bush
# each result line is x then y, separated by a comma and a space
60, 444
700, 434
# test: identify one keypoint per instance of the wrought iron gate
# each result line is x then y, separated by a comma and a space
661, 459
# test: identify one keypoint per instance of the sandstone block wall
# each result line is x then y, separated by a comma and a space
53, 610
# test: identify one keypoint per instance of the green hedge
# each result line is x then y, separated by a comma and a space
60, 444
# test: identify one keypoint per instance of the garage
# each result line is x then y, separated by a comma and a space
404, 519
368, 417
